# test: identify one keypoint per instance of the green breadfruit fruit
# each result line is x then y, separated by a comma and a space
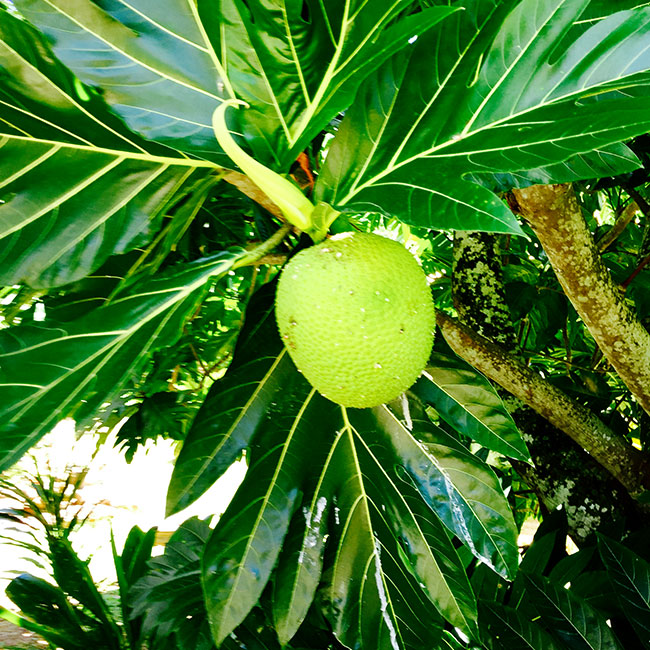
356, 315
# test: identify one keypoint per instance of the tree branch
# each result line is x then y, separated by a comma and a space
627, 464
555, 216
622, 222
246, 186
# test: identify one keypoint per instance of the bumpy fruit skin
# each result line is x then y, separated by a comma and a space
356, 315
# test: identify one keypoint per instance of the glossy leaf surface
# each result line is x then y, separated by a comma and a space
244, 547
630, 577
463, 491
570, 618
467, 401
153, 61
486, 92
48, 373
75, 185
356, 532
309, 66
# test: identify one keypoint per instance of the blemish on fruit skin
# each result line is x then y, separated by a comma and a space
377, 365
293, 322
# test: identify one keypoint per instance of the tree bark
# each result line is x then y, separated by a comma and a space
477, 287
627, 464
563, 474
555, 216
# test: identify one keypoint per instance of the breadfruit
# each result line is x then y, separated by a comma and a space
356, 316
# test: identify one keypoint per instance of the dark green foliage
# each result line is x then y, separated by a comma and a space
128, 292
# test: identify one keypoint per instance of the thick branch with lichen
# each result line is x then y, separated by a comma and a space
563, 473
627, 464
554, 214
477, 288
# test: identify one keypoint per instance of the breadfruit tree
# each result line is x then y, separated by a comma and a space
162, 161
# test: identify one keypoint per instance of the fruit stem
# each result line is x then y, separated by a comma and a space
294, 205
265, 247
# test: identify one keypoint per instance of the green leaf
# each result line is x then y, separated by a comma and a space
488, 585
130, 566
234, 407
300, 564
630, 577
76, 185
509, 629
244, 547
536, 559
572, 566
168, 599
569, 617
73, 577
421, 541
370, 598
466, 400
49, 235
606, 161
462, 490
153, 62
48, 612
49, 373
308, 68
164, 67
501, 97
411, 533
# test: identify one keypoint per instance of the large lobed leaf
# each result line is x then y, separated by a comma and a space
51, 372
361, 527
489, 91
308, 60
75, 185
165, 66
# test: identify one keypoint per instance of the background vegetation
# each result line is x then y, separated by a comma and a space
503, 142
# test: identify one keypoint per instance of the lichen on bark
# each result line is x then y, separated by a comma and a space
563, 474
477, 287
627, 464
555, 215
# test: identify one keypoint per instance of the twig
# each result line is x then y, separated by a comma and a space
637, 270
627, 214
252, 257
